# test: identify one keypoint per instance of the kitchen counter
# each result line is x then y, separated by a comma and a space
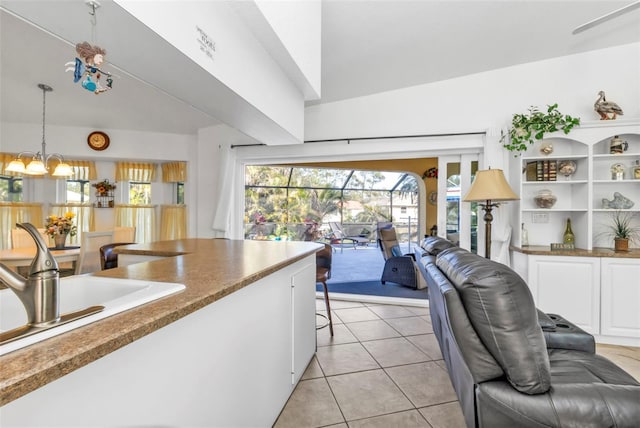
209, 268
545, 250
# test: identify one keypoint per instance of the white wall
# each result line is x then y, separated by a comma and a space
298, 26
487, 100
239, 61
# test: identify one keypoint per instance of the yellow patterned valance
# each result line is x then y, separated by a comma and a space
173, 172
82, 170
135, 171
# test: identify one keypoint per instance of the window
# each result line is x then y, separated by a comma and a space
180, 192
139, 193
10, 189
78, 191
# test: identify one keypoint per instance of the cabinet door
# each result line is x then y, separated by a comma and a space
621, 297
568, 286
303, 313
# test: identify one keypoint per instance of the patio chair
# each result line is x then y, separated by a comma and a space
398, 267
339, 235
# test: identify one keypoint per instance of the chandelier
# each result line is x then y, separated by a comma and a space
39, 163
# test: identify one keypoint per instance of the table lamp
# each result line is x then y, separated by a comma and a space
489, 189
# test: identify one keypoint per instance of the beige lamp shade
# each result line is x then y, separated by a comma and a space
490, 185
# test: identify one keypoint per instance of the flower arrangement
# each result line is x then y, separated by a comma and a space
103, 187
60, 225
430, 173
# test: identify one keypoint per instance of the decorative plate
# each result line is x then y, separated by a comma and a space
433, 198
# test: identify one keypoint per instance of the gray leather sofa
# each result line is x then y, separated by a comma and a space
512, 365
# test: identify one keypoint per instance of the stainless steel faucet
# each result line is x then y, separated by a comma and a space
40, 292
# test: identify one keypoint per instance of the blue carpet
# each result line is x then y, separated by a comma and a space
375, 288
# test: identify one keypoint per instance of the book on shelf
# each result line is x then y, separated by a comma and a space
539, 174
542, 170
553, 170
531, 171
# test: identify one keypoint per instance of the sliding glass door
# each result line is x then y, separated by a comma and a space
457, 221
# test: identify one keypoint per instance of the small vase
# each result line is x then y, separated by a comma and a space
59, 241
621, 244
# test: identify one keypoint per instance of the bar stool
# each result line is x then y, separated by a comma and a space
323, 272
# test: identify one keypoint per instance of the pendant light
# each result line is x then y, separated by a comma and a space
39, 164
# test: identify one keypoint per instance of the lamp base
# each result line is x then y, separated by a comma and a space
488, 218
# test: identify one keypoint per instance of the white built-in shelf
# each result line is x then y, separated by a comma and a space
579, 197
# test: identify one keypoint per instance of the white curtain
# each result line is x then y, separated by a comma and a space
226, 177
17, 212
501, 235
142, 217
173, 222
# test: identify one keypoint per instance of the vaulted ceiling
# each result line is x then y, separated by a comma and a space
367, 47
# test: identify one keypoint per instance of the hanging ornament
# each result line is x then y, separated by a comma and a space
86, 67
89, 58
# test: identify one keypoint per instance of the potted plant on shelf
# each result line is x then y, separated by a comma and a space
531, 126
623, 230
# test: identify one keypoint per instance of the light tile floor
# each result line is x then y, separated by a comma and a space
383, 368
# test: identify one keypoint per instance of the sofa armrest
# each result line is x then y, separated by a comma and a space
567, 335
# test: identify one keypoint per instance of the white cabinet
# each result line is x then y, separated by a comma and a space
232, 363
599, 294
568, 286
580, 195
620, 308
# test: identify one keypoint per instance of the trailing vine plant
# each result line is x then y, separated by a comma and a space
531, 126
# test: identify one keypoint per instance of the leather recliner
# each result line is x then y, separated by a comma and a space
508, 372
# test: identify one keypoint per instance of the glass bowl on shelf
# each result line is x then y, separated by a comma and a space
545, 199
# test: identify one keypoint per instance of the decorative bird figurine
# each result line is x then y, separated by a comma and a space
608, 110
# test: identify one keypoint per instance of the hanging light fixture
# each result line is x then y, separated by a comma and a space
39, 164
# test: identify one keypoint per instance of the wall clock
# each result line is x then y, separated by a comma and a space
98, 140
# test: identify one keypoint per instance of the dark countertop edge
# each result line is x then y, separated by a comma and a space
42, 372
543, 250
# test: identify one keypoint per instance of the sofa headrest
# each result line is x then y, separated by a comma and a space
448, 313
501, 309
435, 244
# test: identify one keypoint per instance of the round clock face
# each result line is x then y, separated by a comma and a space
98, 140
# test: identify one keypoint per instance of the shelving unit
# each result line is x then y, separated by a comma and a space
104, 200
579, 197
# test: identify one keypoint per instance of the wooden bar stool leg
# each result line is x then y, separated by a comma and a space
326, 302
